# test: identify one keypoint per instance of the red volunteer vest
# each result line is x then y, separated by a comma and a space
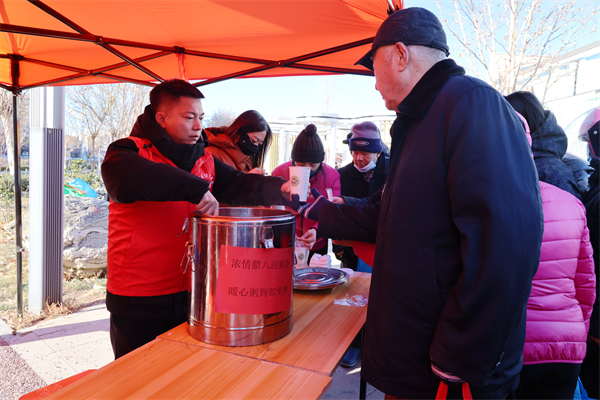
146, 257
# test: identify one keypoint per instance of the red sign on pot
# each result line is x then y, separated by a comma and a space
254, 281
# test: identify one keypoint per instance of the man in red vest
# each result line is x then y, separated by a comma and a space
155, 178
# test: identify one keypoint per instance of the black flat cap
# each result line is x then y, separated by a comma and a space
411, 26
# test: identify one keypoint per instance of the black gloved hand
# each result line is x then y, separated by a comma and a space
294, 202
312, 210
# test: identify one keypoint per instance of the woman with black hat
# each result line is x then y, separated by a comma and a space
308, 151
242, 145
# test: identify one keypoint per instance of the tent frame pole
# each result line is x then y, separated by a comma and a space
268, 64
98, 40
107, 43
18, 208
15, 73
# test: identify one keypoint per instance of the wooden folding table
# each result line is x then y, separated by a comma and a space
297, 366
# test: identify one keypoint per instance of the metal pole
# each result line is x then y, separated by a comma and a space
18, 216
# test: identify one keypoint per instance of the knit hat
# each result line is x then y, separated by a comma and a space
308, 146
365, 137
411, 26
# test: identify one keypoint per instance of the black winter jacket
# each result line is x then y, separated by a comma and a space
354, 183
549, 146
592, 207
458, 235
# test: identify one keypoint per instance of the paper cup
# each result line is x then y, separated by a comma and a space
299, 177
329, 194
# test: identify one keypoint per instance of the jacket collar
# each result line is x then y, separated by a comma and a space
182, 155
381, 165
595, 163
218, 139
420, 98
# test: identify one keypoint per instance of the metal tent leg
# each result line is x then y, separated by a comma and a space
18, 216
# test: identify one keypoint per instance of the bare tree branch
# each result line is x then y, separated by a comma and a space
220, 117
6, 124
112, 109
514, 43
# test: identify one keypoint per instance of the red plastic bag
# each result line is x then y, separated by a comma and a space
442, 392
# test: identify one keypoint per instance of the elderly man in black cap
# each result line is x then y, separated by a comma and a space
457, 231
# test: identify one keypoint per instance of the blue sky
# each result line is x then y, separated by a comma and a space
295, 96
351, 96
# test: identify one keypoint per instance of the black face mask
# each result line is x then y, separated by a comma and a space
316, 171
246, 145
312, 173
594, 139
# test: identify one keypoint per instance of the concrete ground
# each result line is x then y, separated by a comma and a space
54, 349
59, 348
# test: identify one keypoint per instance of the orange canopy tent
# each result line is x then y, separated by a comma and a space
70, 42
78, 42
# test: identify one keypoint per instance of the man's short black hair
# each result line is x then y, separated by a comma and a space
170, 91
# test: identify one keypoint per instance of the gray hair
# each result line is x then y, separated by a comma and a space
425, 54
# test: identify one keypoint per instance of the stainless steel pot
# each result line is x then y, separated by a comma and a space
213, 239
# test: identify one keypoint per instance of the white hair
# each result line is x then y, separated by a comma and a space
427, 55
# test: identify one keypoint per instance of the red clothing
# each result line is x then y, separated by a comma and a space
327, 178
365, 251
146, 257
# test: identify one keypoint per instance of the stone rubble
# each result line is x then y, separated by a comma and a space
85, 230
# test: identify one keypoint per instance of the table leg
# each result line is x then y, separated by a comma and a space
363, 389
363, 384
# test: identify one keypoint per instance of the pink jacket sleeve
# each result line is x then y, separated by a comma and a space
336, 188
585, 279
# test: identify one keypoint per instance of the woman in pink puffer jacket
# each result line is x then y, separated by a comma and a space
308, 151
560, 304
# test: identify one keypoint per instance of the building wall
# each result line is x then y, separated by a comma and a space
331, 129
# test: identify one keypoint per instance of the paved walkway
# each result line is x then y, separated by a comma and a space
58, 348
55, 349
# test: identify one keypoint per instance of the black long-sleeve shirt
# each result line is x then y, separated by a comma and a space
128, 177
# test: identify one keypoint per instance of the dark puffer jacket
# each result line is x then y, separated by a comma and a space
592, 205
549, 147
354, 183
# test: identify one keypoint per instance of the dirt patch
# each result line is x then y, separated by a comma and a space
16, 376
77, 293
73, 301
